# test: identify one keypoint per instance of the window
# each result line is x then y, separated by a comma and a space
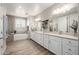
20, 23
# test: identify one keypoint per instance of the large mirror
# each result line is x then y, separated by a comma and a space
65, 24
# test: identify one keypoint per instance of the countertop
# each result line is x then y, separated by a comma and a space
59, 35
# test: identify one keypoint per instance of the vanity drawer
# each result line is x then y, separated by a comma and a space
57, 39
70, 50
70, 42
66, 53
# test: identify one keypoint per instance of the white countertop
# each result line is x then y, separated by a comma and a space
60, 35
63, 36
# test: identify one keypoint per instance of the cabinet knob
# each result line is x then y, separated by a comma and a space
49, 41
1, 46
69, 41
69, 49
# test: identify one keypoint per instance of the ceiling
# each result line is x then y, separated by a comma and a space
25, 9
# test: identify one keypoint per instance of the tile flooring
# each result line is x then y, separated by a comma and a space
26, 47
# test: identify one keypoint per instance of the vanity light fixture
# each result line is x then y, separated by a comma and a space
63, 9
38, 19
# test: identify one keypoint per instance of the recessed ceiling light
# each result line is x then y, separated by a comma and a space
20, 7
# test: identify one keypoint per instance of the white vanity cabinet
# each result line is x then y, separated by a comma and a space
46, 41
39, 38
32, 35
70, 47
55, 45
1, 46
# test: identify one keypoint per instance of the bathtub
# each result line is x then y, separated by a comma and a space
20, 36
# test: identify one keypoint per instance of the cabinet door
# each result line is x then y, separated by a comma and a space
76, 50
55, 45
46, 40
37, 38
1, 45
41, 39
52, 46
32, 35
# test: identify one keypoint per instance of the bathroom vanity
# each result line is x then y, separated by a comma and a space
56, 43
57, 35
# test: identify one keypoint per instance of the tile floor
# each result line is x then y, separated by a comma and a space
26, 47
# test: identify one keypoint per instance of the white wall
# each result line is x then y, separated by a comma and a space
3, 13
31, 22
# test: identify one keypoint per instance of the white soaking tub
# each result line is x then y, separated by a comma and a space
20, 36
